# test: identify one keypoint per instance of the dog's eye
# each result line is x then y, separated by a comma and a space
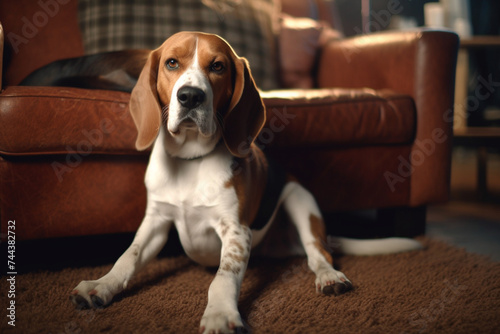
172, 64
217, 67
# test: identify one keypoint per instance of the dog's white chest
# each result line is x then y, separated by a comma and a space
193, 194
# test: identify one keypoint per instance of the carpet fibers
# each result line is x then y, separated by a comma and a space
440, 289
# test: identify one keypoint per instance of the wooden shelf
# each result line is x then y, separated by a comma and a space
480, 138
480, 42
477, 136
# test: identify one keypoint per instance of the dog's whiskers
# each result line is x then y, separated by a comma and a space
164, 113
219, 121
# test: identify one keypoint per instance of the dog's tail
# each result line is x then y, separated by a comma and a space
374, 246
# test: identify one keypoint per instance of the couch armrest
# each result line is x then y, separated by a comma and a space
420, 64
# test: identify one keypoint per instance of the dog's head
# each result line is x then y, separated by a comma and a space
199, 90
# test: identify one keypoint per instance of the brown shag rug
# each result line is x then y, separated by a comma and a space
440, 289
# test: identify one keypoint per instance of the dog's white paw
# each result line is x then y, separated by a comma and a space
330, 281
95, 294
221, 321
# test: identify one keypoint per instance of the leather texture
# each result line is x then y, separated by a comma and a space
55, 120
420, 64
318, 118
346, 179
72, 195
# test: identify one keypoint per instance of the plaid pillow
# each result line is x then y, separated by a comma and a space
249, 26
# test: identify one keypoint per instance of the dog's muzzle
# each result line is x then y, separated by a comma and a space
194, 112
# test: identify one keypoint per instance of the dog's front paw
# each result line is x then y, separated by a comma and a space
220, 321
94, 294
332, 282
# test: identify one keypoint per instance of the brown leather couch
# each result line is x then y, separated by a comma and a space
375, 134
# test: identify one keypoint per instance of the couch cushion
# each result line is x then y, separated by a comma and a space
338, 117
54, 120
299, 42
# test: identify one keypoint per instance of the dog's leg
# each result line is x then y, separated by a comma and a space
148, 241
221, 314
305, 215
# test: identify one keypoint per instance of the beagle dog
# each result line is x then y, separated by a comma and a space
196, 102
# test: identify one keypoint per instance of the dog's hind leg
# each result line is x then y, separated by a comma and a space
304, 213
148, 241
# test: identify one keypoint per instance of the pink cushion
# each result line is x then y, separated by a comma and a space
300, 40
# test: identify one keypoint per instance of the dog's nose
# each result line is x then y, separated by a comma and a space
190, 97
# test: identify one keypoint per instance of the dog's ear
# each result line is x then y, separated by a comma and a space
144, 104
246, 113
